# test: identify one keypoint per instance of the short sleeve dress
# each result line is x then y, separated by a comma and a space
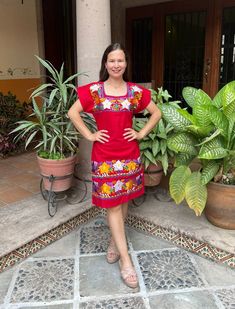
117, 172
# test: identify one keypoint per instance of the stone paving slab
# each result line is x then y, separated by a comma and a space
123, 303
97, 278
44, 280
168, 270
190, 300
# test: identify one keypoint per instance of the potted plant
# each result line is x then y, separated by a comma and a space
206, 133
50, 130
155, 154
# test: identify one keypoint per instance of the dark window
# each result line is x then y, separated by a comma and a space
142, 50
227, 57
184, 51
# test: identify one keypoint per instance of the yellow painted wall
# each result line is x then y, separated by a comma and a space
22, 88
20, 39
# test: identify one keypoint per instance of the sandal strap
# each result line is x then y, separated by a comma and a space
128, 272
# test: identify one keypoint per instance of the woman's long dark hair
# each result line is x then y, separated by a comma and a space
103, 72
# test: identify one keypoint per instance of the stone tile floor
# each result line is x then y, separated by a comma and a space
73, 273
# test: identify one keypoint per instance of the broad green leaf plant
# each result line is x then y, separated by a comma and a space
154, 148
206, 133
53, 134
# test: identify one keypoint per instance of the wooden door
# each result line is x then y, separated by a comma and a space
60, 33
184, 44
227, 42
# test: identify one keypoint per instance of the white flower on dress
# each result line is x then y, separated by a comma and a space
126, 104
118, 166
95, 87
118, 186
106, 104
136, 89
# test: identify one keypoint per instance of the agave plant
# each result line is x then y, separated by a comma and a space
206, 133
153, 147
48, 126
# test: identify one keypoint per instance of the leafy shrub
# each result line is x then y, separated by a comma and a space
11, 111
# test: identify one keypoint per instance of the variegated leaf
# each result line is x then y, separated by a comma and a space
178, 182
209, 171
188, 116
183, 159
200, 112
228, 94
219, 120
229, 111
202, 98
173, 116
213, 150
189, 94
183, 142
200, 130
195, 193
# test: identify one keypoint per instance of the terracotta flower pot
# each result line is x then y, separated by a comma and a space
57, 168
153, 175
220, 206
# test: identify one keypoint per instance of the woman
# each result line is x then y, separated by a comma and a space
117, 173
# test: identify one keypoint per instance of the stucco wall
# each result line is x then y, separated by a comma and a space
19, 39
19, 69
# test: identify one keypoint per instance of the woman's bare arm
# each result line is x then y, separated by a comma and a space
74, 115
130, 134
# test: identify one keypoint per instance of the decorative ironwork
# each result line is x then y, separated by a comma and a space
227, 55
184, 51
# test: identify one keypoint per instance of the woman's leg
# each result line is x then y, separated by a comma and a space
113, 253
124, 210
116, 224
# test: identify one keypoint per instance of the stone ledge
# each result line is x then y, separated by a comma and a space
24, 221
26, 228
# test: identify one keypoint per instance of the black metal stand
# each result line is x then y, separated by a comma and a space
73, 195
159, 193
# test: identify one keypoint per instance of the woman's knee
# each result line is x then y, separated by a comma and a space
115, 209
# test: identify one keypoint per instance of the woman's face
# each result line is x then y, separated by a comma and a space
116, 63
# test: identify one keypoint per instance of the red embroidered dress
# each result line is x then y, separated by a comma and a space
117, 172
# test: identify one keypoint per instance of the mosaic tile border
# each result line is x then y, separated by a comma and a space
184, 241
47, 238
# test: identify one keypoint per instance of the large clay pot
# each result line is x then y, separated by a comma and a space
153, 175
220, 206
57, 168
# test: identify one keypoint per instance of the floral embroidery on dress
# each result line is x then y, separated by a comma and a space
116, 168
116, 188
117, 104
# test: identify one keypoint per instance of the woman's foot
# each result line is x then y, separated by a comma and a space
112, 255
129, 276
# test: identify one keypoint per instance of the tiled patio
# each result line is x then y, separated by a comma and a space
19, 178
72, 272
